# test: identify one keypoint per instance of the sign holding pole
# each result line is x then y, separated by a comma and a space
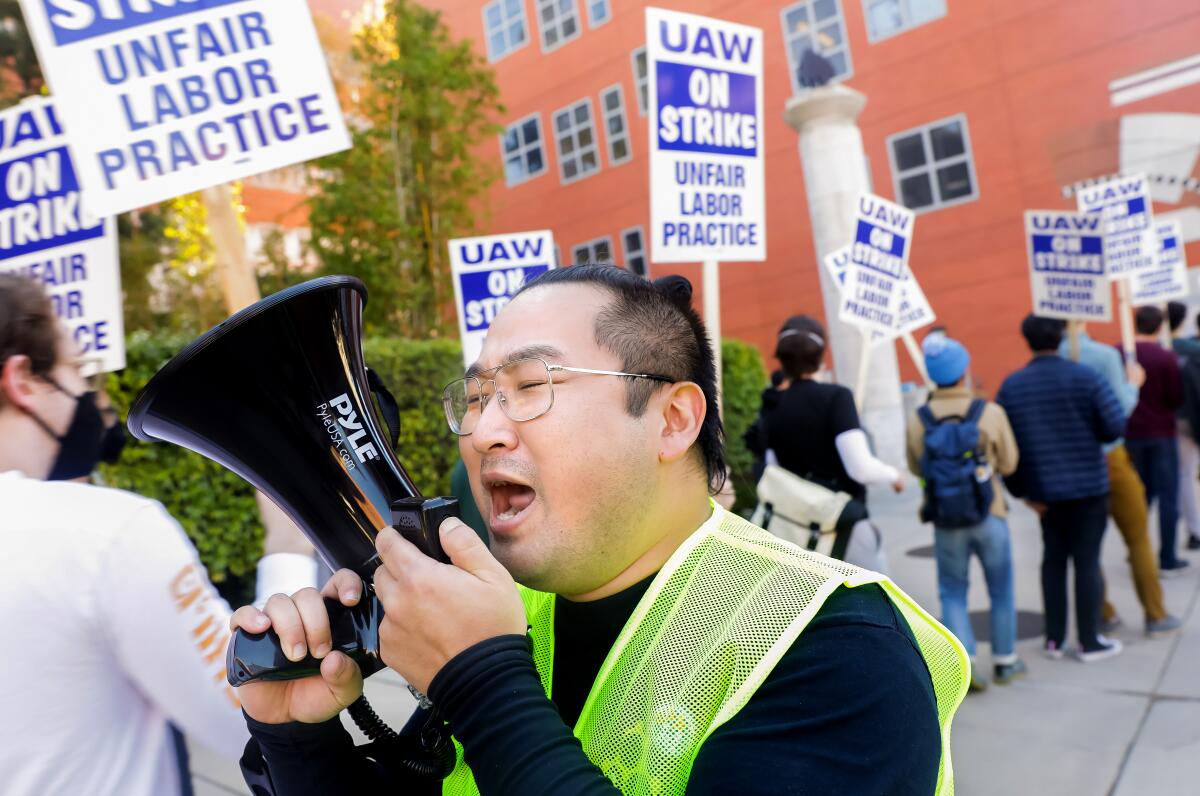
160, 98
47, 236
487, 272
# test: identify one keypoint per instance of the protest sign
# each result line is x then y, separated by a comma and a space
46, 236
160, 98
878, 264
1168, 280
915, 310
706, 139
487, 272
1130, 244
1066, 265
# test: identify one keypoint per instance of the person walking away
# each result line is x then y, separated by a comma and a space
1188, 421
814, 431
1127, 496
960, 445
1061, 414
1150, 433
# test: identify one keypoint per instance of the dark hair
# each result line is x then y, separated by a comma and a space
777, 377
28, 326
652, 328
1176, 313
800, 346
1147, 320
1042, 334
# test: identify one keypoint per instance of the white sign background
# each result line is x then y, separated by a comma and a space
878, 267
705, 100
915, 310
1066, 265
1169, 280
487, 271
177, 97
1130, 244
45, 236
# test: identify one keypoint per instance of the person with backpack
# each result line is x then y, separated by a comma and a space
960, 445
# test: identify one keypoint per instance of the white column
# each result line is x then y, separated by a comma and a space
835, 173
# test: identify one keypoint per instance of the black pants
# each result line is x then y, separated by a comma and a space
1073, 529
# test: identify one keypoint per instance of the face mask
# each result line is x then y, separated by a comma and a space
79, 447
112, 442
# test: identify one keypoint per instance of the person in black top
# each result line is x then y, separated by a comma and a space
587, 496
814, 431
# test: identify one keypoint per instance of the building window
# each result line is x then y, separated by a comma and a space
932, 166
523, 155
594, 251
616, 130
635, 250
575, 134
640, 78
504, 27
559, 22
816, 25
598, 12
889, 17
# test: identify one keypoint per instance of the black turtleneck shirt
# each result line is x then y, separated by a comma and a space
848, 709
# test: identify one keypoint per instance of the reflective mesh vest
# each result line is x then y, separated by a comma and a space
713, 624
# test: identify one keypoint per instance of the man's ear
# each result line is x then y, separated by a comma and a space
16, 382
683, 409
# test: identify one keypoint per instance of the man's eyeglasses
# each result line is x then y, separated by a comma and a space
524, 388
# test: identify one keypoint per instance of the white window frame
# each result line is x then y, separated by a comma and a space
573, 132
590, 246
505, 25
787, 41
606, 115
643, 253
523, 148
538, 5
592, 23
930, 166
641, 85
906, 26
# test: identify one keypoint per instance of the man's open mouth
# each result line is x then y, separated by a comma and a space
509, 499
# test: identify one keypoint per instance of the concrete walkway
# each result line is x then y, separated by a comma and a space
1125, 726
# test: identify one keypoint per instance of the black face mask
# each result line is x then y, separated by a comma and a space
79, 447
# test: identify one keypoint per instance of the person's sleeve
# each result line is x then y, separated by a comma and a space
1110, 418
512, 736
169, 629
850, 709
860, 463
1113, 371
915, 436
1007, 455
1174, 383
843, 414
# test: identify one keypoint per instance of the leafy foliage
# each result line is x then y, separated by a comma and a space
385, 208
743, 377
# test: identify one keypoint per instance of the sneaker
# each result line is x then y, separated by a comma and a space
1193, 542
1163, 627
978, 684
1111, 625
1005, 673
1109, 648
1054, 651
1170, 571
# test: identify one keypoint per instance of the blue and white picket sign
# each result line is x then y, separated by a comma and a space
705, 96
1066, 265
47, 236
878, 264
1130, 244
1168, 280
914, 312
487, 272
159, 98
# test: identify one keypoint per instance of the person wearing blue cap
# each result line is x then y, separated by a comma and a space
960, 445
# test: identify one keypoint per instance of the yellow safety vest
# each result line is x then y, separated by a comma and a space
713, 624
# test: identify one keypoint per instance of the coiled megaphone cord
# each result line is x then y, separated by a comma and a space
429, 753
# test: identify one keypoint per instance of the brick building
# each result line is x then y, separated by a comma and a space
977, 110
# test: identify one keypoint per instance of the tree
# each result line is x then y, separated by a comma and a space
384, 209
20, 72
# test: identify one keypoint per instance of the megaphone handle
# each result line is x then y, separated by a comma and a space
354, 631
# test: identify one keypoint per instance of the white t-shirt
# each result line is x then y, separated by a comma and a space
111, 629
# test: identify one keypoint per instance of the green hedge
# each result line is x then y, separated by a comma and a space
217, 508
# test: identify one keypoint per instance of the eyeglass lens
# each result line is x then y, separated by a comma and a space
524, 388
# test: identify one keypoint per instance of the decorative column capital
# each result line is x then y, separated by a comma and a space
834, 101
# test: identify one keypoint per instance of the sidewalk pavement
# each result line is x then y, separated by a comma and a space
1120, 727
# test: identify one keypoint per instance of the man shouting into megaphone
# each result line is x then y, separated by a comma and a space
656, 643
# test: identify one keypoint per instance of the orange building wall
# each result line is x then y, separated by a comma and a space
1031, 76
